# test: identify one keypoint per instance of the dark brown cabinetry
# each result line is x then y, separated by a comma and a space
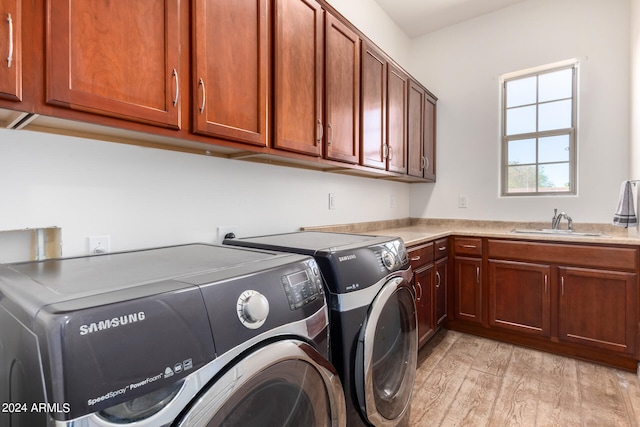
421, 133
598, 308
11, 50
520, 297
373, 112
342, 93
397, 91
421, 258
230, 81
467, 279
441, 284
119, 59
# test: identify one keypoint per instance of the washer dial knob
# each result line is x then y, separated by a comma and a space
389, 260
253, 309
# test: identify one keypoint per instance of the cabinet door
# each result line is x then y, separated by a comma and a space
298, 76
423, 278
415, 137
374, 107
11, 50
230, 88
397, 82
440, 291
429, 143
342, 97
468, 289
116, 58
520, 297
599, 308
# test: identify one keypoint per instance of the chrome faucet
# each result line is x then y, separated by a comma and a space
555, 221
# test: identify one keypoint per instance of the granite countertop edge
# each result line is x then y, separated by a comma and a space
415, 231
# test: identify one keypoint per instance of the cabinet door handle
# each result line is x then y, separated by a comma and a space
320, 131
415, 258
427, 163
478, 275
10, 57
420, 286
546, 281
385, 151
329, 134
204, 94
390, 152
438, 279
442, 248
562, 282
468, 246
177, 80
422, 162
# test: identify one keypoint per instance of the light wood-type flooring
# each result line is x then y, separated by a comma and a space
465, 380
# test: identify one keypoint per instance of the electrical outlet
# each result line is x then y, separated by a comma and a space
332, 201
224, 230
99, 244
463, 201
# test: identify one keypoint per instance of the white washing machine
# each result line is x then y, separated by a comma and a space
191, 335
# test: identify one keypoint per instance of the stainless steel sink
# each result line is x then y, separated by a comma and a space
557, 232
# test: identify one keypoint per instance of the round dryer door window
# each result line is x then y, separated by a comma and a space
284, 384
387, 351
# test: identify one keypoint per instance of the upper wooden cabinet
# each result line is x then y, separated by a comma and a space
115, 58
397, 115
230, 84
342, 92
373, 110
11, 50
421, 132
298, 82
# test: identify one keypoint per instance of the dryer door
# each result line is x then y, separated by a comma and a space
286, 383
387, 355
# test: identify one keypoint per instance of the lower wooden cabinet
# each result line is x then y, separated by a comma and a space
598, 308
519, 297
468, 289
441, 292
423, 278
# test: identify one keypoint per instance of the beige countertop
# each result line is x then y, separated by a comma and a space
416, 231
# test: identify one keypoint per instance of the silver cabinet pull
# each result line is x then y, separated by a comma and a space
427, 163
320, 131
10, 57
204, 94
415, 258
422, 162
438, 279
562, 282
390, 152
385, 151
420, 286
329, 134
468, 246
175, 76
442, 248
546, 281
478, 275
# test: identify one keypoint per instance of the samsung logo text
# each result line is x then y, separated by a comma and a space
114, 322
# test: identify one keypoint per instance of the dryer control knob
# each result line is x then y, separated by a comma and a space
388, 260
253, 309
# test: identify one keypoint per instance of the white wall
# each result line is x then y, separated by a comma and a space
462, 65
144, 197
635, 89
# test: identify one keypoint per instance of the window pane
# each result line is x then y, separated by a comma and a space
522, 151
554, 177
553, 149
521, 120
521, 92
555, 115
557, 85
522, 179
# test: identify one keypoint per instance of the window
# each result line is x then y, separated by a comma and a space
539, 131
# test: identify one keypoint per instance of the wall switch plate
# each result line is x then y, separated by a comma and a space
332, 201
463, 201
224, 230
99, 244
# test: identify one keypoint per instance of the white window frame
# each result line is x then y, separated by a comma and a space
571, 132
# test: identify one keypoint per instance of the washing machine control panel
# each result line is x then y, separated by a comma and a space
303, 286
393, 255
252, 308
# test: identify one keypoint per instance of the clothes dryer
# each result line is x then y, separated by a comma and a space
373, 324
190, 335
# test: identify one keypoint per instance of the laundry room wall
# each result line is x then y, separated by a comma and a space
462, 65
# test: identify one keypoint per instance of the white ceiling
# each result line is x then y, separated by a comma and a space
419, 17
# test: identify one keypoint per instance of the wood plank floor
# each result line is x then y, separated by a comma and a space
465, 380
